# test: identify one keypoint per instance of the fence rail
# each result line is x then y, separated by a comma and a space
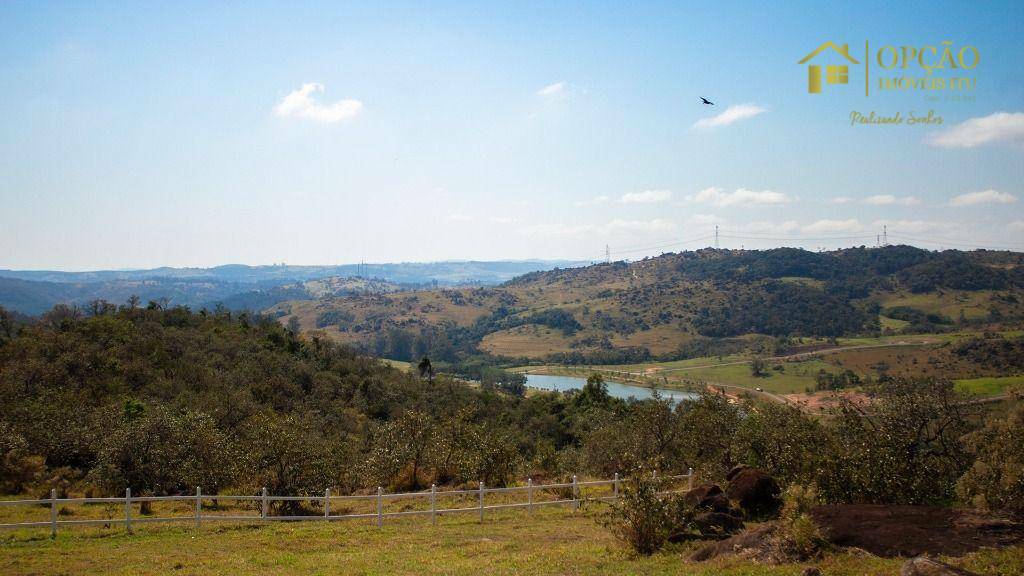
264, 500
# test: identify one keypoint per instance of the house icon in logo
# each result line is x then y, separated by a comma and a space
834, 74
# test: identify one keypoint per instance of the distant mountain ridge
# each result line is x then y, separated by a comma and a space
239, 286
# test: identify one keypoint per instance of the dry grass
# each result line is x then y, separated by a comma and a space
552, 542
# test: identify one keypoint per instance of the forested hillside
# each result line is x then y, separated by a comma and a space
163, 400
669, 306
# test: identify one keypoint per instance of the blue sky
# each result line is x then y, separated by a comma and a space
197, 135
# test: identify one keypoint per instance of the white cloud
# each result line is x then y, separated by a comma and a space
646, 197
832, 226
458, 217
503, 220
556, 90
1000, 127
617, 226
889, 200
842, 200
771, 227
656, 225
592, 202
911, 226
719, 197
704, 220
559, 230
300, 104
731, 115
983, 197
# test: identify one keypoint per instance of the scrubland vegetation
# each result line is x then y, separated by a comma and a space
165, 400
162, 399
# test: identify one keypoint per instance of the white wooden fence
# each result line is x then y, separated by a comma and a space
265, 499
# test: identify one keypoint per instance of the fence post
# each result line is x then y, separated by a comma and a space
433, 504
615, 487
380, 506
265, 504
53, 513
199, 506
575, 494
128, 510
529, 494
481, 501
689, 481
327, 502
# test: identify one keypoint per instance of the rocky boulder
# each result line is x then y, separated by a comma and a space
756, 492
707, 497
717, 524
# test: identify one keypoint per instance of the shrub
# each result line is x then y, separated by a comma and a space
904, 448
782, 440
797, 537
645, 520
996, 479
18, 468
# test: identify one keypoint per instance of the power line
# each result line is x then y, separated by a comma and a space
959, 244
800, 238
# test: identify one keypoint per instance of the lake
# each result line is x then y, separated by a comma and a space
616, 389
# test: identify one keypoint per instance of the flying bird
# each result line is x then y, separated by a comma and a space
706, 101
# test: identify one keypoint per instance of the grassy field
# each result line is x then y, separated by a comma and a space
902, 355
990, 386
950, 303
551, 542
795, 376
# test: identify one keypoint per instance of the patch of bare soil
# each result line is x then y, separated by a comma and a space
887, 531
824, 400
891, 531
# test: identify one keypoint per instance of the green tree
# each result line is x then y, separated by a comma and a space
403, 450
903, 448
758, 367
782, 440
290, 456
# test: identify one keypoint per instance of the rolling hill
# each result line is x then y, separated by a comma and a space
674, 305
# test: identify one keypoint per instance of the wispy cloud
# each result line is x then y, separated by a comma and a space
503, 219
842, 200
771, 227
741, 196
890, 200
592, 202
616, 226
646, 197
730, 115
556, 90
983, 197
704, 219
997, 128
833, 226
911, 226
459, 217
656, 225
300, 104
